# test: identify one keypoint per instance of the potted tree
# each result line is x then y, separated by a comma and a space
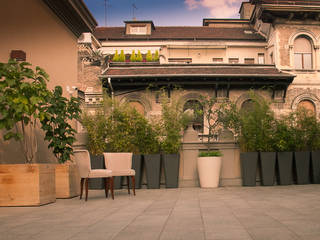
209, 162
25, 103
173, 122
284, 146
95, 125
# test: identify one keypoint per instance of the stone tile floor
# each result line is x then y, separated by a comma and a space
227, 213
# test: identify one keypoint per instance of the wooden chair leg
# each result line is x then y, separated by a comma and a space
81, 187
87, 183
111, 186
128, 184
106, 182
133, 182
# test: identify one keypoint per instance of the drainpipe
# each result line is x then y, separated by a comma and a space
111, 88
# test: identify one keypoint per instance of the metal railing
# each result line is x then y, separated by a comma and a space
290, 2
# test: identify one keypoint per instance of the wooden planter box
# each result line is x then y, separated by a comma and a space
27, 184
67, 180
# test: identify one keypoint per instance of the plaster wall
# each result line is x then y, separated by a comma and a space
32, 27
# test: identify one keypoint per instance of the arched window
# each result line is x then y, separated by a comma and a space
138, 106
247, 105
302, 53
195, 105
308, 105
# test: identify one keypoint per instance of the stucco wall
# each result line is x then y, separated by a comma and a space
32, 27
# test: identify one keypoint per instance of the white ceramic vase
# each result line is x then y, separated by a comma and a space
209, 171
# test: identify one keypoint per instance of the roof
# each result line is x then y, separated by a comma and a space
201, 70
180, 33
74, 14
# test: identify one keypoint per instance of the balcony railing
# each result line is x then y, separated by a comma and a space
288, 2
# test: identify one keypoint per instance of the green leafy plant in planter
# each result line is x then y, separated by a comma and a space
149, 57
133, 56
27, 104
173, 122
254, 129
115, 57
139, 57
209, 166
122, 56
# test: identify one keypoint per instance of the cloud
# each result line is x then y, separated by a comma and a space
217, 8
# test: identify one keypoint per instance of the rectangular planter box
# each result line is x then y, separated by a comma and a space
302, 167
315, 166
27, 184
67, 180
153, 164
171, 163
284, 166
249, 163
268, 163
137, 166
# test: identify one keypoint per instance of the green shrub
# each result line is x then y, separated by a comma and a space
122, 57
139, 57
133, 56
149, 57
115, 57
210, 154
156, 56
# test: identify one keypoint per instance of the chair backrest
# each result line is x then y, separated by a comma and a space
82, 158
118, 161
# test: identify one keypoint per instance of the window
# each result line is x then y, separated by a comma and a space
249, 61
138, 106
308, 105
260, 58
217, 60
302, 53
234, 60
138, 29
196, 106
180, 60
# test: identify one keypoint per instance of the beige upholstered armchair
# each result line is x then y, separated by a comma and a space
121, 165
82, 158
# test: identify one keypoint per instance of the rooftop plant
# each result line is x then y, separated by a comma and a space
122, 57
133, 56
115, 57
149, 57
26, 101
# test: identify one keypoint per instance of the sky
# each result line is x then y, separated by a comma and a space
162, 12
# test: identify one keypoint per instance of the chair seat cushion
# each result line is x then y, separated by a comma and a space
97, 173
128, 172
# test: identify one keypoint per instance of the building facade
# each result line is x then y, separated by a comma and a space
273, 48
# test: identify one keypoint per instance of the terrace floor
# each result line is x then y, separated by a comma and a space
233, 213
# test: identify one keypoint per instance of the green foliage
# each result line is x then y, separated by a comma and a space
56, 123
96, 129
211, 115
127, 130
133, 56
25, 99
210, 154
156, 56
173, 121
253, 128
149, 57
122, 57
283, 138
139, 57
116, 57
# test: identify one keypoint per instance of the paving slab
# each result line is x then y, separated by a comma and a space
226, 213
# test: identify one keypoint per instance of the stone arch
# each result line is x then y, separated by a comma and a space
303, 32
306, 97
245, 97
135, 97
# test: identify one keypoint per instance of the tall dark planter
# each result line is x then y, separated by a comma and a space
137, 166
315, 166
97, 162
302, 167
171, 163
152, 163
249, 162
284, 166
268, 163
